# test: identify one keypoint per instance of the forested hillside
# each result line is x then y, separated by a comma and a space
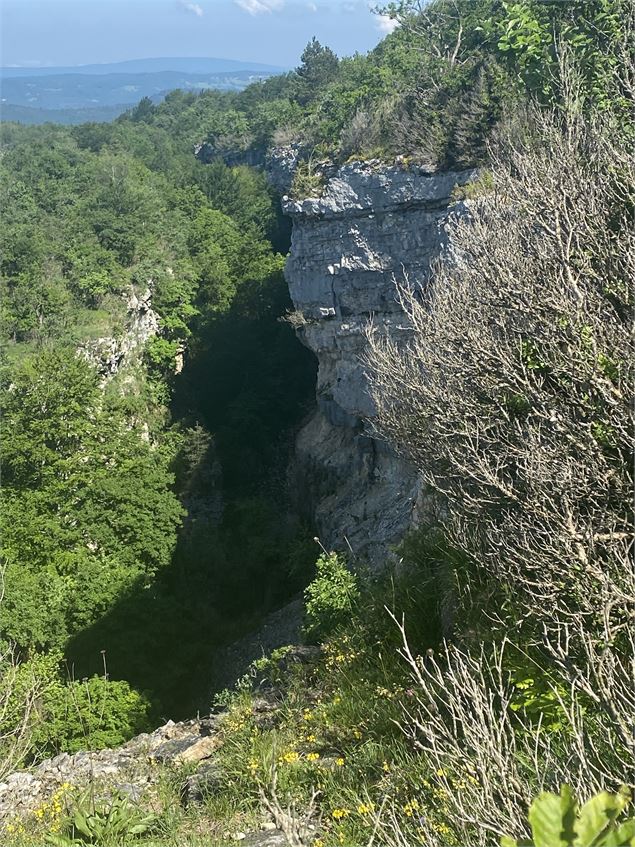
151, 395
93, 472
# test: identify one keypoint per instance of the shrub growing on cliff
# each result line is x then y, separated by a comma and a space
330, 597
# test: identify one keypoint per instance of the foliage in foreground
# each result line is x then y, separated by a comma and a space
118, 821
519, 415
344, 726
558, 821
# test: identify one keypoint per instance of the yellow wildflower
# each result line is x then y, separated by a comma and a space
312, 757
410, 808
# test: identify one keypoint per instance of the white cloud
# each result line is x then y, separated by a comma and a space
257, 7
311, 7
194, 8
386, 24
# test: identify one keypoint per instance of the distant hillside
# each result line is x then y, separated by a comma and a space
101, 92
200, 65
29, 115
86, 91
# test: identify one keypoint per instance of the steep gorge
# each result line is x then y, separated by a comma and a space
373, 225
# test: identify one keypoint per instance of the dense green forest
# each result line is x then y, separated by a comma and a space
147, 518
92, 474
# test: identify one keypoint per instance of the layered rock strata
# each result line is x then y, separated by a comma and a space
372, 227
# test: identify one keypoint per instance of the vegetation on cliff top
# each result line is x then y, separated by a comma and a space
433, 90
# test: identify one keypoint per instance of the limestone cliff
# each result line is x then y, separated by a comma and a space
110, 353
372, 225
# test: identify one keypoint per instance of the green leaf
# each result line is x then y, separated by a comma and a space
508, 841
569, 813
595, 818
624, 835
550, 817
138, 829
59, 840
81, 824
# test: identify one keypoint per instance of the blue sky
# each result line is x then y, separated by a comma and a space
70, 32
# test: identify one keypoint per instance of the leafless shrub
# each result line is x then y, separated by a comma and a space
297, 826
514, 397
514, 393
20, 693
284, 136
486, 759
363, 132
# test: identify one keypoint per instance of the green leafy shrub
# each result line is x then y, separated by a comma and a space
330, 597
103, 824
91, 714
162, 353
558, 821
22, 685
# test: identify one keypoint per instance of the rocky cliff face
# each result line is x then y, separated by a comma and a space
372, 226
109, 354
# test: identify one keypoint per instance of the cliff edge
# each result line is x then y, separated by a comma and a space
373, 226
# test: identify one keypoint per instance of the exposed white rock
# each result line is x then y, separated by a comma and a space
134, 764
111, 353
372, 226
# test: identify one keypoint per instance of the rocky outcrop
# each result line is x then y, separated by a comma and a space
282, 163
110, 353
372, 226
135, 771
131, 769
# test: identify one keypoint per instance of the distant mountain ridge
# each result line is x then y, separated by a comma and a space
101, 92
82, 91
200, 65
